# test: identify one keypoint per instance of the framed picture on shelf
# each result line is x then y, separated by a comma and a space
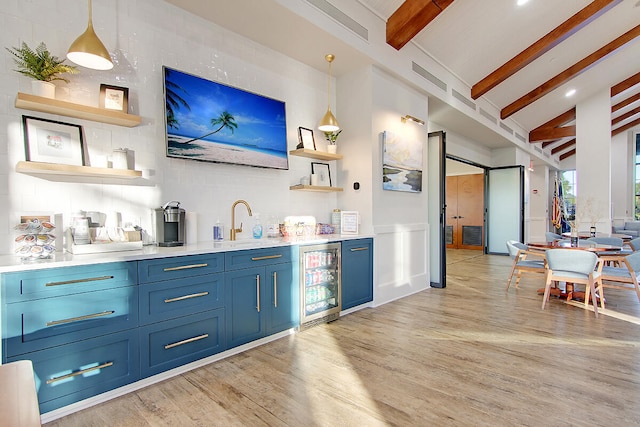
349, 222
305, 136
53, 142
114, 98
322, 171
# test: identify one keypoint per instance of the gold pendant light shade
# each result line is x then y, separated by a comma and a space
88, 51
329, 123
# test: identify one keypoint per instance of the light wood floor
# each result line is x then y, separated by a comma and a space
469, 354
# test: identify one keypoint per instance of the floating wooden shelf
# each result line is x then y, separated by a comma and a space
69, 109
314, 188
69, 173
320, 155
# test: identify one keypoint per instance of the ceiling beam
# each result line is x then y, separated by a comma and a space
568, 154
571, 72
625, 116
625, 84
626, 102
547, 134
410, 18
626, 127
563, 146
547, 143
543, 45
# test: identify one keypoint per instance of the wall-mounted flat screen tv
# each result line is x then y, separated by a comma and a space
213, 122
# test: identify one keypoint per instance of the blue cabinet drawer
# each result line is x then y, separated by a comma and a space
29, 285
34, 325
256, 257
170, 299
173, 343
69, 373
179, 267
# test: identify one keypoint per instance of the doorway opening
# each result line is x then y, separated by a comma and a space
465, 189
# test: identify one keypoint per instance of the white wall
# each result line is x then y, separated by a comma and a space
143, 36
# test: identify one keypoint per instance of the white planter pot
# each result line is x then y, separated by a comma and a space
332, 149
43, 89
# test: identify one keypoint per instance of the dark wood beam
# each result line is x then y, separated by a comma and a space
563, 146
568, 154
547, 143
626, 127
626, 102
571, 72
543, 45
560, 120
625, 116
626, 84
547, 134
410, 18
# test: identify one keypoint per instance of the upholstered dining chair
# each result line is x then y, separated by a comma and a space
635, 244
552, 237
524, 260
573, 266
624, 277
612, 241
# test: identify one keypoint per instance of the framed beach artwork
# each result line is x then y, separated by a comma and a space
51, 141
213, 122
401, 163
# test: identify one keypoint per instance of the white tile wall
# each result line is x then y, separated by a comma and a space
142, 36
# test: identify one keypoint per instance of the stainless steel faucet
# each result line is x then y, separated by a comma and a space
235, 230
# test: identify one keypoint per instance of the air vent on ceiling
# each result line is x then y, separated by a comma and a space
427, 75
341, 17
538, 149
460, 97
484, 113
520, 137
507, 128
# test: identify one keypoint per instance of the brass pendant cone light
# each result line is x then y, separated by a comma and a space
88, 51
329, 123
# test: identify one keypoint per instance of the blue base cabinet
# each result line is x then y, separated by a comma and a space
357, 272
262, 296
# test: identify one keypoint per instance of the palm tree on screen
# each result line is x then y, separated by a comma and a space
173, 101
224, 120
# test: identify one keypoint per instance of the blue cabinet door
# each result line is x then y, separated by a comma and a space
357, 272
245, 293
283, 304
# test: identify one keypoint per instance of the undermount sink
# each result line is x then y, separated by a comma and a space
254, 243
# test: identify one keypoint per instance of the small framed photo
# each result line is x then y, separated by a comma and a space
349, 222
322, 171
114, 98
305, 136
53, 142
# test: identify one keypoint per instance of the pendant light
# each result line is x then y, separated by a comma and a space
329, 123
88, 51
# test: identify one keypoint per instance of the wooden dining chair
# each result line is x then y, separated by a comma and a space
635, 244
573, 266
524, 261
624, 277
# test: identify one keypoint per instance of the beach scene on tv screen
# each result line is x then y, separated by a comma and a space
213, 122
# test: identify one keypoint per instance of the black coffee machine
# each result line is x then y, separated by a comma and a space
169, 224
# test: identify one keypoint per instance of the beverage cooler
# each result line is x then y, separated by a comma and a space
320, 279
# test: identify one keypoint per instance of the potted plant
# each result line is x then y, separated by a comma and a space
331, 138
42, 67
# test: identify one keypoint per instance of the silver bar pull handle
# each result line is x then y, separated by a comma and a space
81, 372
184, 297
260, 258
258, 292
186, 267
72, 282
359, 249
187, 341
79, 318
275, 289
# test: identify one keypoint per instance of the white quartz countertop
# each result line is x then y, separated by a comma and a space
9, 263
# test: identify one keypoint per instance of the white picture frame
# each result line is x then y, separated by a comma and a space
349, 222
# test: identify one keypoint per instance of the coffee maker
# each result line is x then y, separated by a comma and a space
169, 224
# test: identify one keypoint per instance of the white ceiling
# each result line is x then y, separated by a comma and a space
470, 38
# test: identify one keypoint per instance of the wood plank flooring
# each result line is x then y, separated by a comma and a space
466, 355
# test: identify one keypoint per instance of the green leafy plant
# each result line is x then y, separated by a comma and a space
40, 64
332, 136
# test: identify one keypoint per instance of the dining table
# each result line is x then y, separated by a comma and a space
587, 234
602, 250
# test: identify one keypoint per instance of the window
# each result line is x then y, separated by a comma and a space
637, 179
569, 193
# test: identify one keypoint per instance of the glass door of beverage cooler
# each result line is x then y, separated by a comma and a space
320, 279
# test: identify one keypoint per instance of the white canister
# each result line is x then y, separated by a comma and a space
119, 158
315, 179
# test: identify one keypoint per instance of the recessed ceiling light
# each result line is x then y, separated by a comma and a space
521, 2
570, 92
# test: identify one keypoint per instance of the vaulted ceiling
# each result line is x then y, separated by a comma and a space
520, 59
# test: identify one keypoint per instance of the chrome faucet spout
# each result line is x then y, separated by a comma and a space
235, 230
